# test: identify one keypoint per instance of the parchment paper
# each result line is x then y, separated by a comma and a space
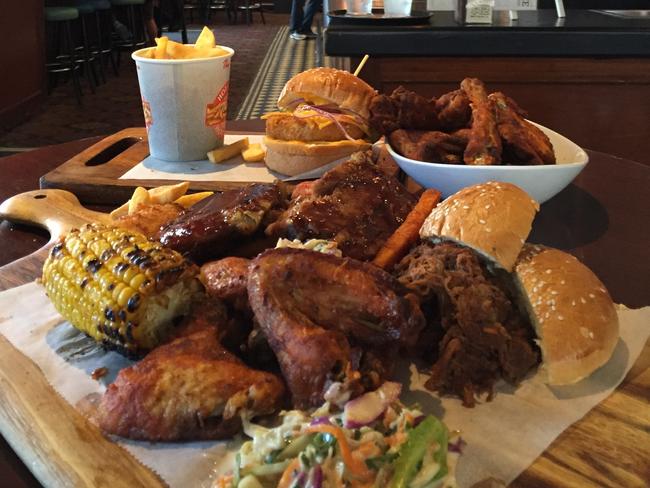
503, 436
236, 169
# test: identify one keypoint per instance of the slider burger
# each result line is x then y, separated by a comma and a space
496, 307
323, 117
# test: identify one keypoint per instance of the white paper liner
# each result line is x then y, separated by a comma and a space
503, 437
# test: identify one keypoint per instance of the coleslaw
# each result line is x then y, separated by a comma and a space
375, 441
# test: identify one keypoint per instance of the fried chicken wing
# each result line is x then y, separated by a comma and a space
430, 146
484, 144
454, 111
320, 313
226, 279
402, 109
148, 218
191, 388
523, 143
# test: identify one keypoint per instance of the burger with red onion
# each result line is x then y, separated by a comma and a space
323, 117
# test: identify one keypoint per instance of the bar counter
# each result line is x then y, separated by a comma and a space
535, 33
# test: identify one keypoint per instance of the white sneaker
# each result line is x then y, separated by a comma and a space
297, 36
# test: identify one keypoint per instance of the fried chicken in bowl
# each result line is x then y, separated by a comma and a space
542, 181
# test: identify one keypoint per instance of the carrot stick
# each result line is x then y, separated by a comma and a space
407, 234
287, 476
356, 467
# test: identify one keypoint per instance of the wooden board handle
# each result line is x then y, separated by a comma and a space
56, 210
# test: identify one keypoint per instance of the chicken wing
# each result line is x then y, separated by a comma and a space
453, 110
402, 109
523, 143
320, 312
189, 389
430, 146
484, 144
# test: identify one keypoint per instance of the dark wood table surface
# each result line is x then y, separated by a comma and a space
603, 218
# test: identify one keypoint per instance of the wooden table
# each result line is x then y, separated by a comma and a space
603, 218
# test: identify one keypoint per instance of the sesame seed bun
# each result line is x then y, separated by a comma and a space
492, 218
328, 85
572, 312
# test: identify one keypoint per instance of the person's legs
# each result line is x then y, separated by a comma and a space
296, 15
311, 8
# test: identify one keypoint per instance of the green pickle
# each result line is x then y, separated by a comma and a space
412, 452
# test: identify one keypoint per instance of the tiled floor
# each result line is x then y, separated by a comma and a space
116, 105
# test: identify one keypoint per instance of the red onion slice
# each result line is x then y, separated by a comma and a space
322, 113
370, 406
316, 480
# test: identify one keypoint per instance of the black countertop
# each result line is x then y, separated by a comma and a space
536, 33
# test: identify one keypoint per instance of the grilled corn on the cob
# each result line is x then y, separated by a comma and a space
118, 287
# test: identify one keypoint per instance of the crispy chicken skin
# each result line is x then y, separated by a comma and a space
403, 109
148, 218
290, 128
523, 143
226, 279
453, 110
484, 144
191, 388
430, 146
320, 311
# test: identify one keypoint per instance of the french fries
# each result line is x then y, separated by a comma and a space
407, 234
160, 195
253, 153
187, 201
228, 151
205, 47
169, 193
140, 195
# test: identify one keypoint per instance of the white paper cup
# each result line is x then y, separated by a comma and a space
184, 103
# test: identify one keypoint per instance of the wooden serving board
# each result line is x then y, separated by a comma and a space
93, 175
609, 447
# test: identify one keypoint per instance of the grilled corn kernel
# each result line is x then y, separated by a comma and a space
118, 287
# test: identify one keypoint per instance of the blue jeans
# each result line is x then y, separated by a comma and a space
302, 14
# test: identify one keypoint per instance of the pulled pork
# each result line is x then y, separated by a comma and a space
480, 332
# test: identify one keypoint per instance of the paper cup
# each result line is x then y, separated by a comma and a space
184, 103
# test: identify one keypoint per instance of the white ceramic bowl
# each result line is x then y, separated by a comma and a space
540, 181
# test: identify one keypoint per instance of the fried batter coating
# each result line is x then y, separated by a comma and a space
523, 143
289, 128
429, 146
403, 109
189, 389
226, 280
321, 314
148, 218
484, 145
453, 110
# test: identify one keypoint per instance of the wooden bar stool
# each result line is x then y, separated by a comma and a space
63, 57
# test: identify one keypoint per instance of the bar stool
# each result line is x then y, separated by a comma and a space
103, 49
86, 10
134, 9
64, 59
248, 9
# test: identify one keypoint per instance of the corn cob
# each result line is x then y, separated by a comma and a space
118, 287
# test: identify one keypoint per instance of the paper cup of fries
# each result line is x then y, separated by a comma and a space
184, 91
